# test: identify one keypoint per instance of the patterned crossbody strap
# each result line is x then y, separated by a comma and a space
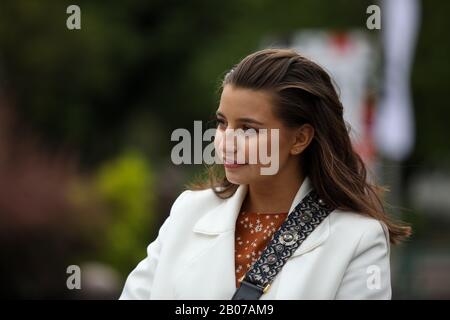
306, 216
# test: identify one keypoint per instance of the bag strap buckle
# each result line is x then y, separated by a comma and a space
249, 291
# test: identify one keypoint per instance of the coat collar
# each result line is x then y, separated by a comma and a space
222, 218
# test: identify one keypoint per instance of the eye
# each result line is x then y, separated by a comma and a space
247, 128
220, 123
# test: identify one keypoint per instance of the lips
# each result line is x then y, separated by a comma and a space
230, 164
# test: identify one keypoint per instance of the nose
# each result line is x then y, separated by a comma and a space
230, 143
229, 150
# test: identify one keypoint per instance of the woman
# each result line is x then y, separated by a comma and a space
216, 231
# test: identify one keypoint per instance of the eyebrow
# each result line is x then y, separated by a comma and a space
247, 120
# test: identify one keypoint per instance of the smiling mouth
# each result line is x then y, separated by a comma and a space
232, 165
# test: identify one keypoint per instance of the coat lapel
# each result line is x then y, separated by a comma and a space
210, 271
222, 218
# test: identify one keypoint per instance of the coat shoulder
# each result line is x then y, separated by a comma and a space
194, 200
197, 196
357, 225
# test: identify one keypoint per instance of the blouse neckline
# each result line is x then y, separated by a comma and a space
263, 214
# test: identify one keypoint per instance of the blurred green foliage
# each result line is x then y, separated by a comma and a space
125, 185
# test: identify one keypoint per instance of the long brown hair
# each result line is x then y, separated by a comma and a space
304, 93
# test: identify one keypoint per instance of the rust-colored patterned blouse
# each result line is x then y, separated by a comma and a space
253, 233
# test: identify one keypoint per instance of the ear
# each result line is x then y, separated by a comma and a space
302, 138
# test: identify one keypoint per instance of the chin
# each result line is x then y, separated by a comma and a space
236, 178
239, 177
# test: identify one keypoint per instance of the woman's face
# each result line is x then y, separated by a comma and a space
242, 152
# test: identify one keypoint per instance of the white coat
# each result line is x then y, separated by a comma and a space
345, 257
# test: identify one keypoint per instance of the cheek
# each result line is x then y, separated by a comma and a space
272, 142
251, 146
284, 145
260, 145
278, 145
218, 141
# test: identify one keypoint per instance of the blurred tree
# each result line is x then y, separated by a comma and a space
81, 87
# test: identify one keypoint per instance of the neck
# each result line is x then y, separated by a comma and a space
274, 195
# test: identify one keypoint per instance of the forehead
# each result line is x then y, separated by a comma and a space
241, 102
